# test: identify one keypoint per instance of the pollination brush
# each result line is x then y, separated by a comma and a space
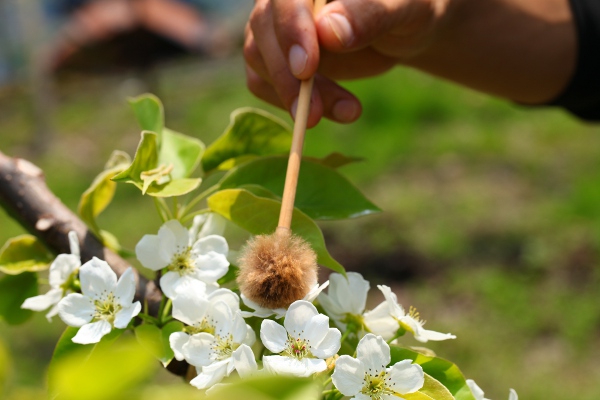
280, 268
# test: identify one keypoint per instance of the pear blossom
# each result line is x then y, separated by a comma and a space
62, 272
346, 299
185, 259
264, 312
104, 303
366, 376
195, 304
219, 354
479, 395
303, 342
389, 316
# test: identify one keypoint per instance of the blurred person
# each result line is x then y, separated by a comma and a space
533, 52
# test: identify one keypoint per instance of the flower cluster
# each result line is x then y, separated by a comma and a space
216, 338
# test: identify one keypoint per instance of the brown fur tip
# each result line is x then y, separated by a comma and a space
277, 269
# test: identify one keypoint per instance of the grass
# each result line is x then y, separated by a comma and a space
491, 222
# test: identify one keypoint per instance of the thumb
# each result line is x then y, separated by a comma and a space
346, 25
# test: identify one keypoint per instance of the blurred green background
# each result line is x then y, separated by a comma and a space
491, 221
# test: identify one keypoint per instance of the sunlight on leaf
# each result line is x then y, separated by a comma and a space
24, 253
149, 112
156, 340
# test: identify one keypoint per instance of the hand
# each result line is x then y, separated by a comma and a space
358, 39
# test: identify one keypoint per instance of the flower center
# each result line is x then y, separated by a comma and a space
224, 347
181, 263
107, 308
375, 385
204, 326
298, 348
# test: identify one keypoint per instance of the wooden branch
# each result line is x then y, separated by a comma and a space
26, 197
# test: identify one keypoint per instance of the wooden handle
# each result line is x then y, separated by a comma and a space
293, 167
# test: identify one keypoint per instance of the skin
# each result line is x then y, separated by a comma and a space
524, 51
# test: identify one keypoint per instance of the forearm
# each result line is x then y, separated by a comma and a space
521, 50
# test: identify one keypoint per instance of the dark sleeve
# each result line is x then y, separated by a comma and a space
582, 96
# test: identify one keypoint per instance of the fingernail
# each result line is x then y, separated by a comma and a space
342, 28
298, 58
345, 111
294, 109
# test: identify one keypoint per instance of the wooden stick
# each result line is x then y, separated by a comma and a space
293, 167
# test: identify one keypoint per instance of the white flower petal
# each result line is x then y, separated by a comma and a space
406, 377
211, 244
513, 395
215, 225
74, 244
92, 333
76, 310
250, 335
238, 328
61, 268
332, 308
287, 366
170, 282
330, 344
97, 279
395, 309
358, 288
314, 365
198, 349
380, 322
316, 329
476, 390
226, 296
126, 314
374, 353
210, 267
261, 312
424, 335
190, 308
43, 301
244, 361
176, 341
298, 315
273, 336
222, 316
193, 232
148, 253
125, 289
179, 233
348, 375
315, 291
210, 375
52, 312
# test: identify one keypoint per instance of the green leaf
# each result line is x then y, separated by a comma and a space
149, 112
322, 192
176, 187
156, 340
24, 253
444, 371
260, 216
14, 289
234, 162
146, 159
251, 131
98, 196
336, 160
181, 151
4, 366
106, 371
432, 389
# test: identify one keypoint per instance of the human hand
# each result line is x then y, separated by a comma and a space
358, 39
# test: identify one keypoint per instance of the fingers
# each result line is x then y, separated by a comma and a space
348, 25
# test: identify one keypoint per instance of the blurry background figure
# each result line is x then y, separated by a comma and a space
48, 44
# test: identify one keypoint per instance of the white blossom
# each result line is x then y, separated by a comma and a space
389, 316
104, 302
194, 304
346, 299
303, 342
264, 312
479, 395
366, 376
174, 248
62, 271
